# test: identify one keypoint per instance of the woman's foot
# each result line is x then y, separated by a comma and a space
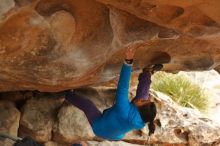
153, 68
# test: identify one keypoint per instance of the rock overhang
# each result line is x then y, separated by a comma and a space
53, 45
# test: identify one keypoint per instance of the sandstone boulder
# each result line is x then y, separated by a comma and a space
37, 118
71, 126
53, 45
43, 116
182, 125
5, 6
9, 121
108, 143
51, 143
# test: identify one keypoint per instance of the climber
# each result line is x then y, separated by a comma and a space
124, 115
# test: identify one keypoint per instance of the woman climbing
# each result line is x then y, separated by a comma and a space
124, 115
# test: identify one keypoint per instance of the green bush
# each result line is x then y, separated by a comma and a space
181, 90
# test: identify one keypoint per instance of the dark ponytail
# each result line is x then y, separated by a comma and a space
151, 128
148, 113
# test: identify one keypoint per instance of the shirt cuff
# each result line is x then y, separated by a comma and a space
128, 63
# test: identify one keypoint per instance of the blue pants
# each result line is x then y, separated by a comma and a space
92, 112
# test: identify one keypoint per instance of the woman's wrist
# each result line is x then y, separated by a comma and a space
129, 61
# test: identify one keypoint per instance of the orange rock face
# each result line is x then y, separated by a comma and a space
53, 45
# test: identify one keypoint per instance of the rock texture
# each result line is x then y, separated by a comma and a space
108, 143
50, 121
9, 121
71, 126
38, 117
51, 143
95, 143
184, 125
53, 45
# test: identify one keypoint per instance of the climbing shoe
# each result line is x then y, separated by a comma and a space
153, 68
157, 67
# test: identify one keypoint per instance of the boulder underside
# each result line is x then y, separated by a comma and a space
53, 45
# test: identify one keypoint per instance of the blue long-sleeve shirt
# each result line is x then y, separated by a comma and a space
123, 116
